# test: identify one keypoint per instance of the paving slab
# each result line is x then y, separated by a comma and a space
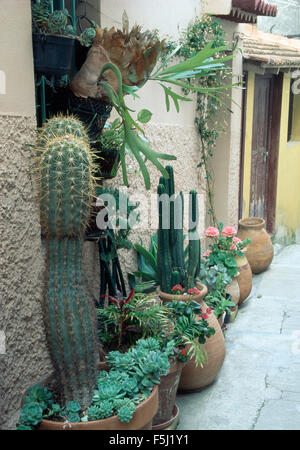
258, 387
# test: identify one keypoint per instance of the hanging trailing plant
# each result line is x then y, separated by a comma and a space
198, 34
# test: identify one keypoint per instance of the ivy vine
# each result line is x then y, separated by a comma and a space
209, 119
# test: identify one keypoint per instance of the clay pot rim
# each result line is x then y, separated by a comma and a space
256, 223
162, 426
185, 298
114, 418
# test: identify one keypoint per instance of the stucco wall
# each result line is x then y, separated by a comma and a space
226, 159
21, 269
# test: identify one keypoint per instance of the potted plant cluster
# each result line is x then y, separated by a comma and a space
228, 250
54, 36
179, 328
217, 279
125, 395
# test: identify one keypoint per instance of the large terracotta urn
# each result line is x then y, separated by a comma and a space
197, 378
234, 290
244, 277
260, 252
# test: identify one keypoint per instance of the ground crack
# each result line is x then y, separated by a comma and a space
283, 319
257, 415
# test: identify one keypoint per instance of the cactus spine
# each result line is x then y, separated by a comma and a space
66, 189
171, 262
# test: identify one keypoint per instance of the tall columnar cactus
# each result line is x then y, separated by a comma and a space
61, 126
172, 267
66, 189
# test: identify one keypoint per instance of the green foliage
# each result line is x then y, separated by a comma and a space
145, 279
57, 21
118, 215
211, 109
196, 67
112, 136
124, 321
87, 36
190, 329
130, 380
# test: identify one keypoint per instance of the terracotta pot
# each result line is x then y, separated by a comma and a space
184, 298
167, 391
142, 417
170, 424
244, 278
221, 318
234, 290
197, 378
260, 252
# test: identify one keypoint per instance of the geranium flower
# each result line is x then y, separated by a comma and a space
233, 247
229, 232
183, 351
207, 253
177, 287
209, 310
212, 232
236, 240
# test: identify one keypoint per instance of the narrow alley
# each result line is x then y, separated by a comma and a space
258, 387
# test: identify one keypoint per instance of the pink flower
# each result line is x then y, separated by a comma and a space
229, 231
233, 247
236, 240
207, 253
212, 232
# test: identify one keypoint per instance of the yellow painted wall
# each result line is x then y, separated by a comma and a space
288, 182
288, 187
248, 143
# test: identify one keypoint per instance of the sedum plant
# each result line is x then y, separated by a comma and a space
66, 187
130, 380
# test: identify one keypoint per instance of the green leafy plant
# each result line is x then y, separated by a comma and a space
190, 330
201, 32
146, 278
225, 248
168, 77
125, 320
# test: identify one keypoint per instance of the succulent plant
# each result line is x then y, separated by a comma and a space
87, 36
117, 392
57, 21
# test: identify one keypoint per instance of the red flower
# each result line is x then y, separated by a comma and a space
209, 310
204, 316
178, 287
183, 351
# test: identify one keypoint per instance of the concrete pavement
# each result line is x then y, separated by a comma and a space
258, 387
